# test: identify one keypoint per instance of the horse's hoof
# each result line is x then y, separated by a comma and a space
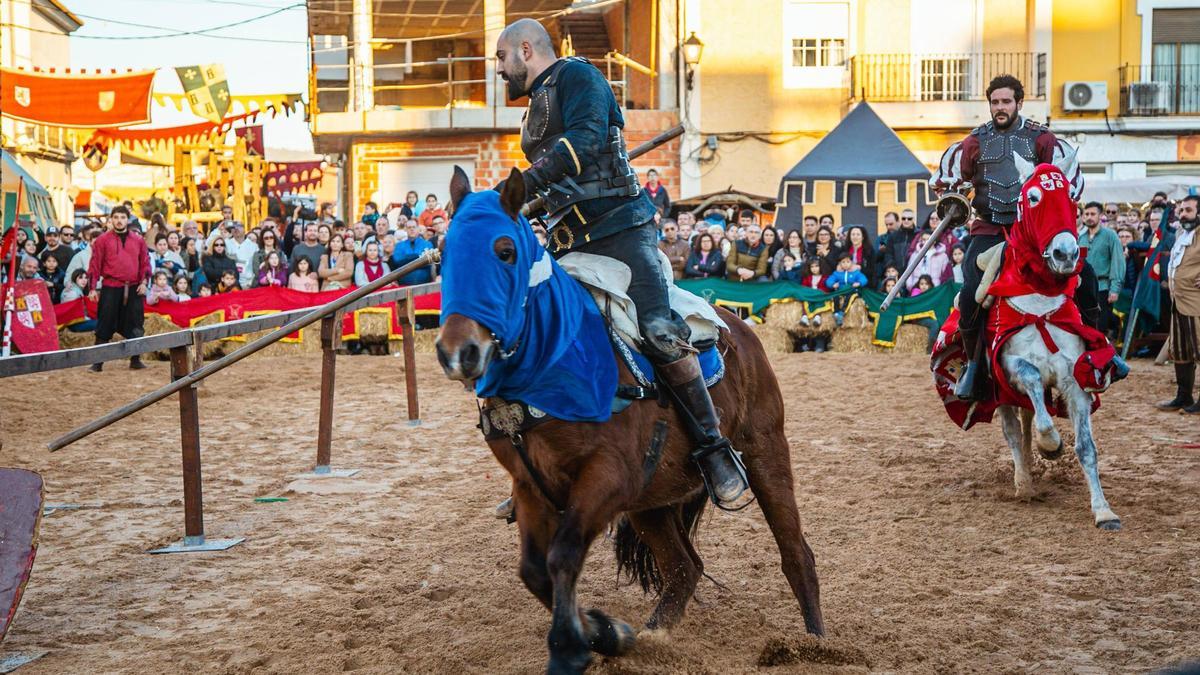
1110, 525
608, 636
568, 665
1052, 455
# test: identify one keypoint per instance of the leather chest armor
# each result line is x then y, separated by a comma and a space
997, 181
609, 176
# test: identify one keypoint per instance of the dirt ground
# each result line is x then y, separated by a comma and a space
927, 561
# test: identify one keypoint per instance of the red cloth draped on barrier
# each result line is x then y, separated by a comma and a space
33, 320
76, 99
254, 302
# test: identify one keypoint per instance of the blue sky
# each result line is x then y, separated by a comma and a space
252, 66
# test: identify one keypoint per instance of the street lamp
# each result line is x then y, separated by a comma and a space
692, 49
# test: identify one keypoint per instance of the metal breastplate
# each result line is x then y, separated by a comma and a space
997, 182
609, 176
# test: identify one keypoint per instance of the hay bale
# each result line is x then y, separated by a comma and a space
783, 314
856, 315
68, 339
423, 341
910, 339
373, 327
774, 339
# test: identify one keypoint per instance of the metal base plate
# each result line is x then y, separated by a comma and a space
188, 545
326, 472
13, 660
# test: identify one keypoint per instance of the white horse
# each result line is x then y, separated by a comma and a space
1032, 369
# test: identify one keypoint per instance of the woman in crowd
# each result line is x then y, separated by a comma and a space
862, 253
270, 243
411, 208
705, 260
216, 262
957, 254
793, 245
337, 266
371, 267
771, 239
303, 277
324, 233
273, 271
825, 250
191, 261
30, 247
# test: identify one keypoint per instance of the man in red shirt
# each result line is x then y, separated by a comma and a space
120, 270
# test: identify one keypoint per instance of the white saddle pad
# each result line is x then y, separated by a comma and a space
607, 279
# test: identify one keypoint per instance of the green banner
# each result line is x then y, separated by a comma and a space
755, 297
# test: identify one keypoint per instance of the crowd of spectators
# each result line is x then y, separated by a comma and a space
820, 256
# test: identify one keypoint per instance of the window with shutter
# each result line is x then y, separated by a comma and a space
1175, 34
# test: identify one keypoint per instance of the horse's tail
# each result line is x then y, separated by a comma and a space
635, 559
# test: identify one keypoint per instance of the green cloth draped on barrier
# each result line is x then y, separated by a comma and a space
755, 297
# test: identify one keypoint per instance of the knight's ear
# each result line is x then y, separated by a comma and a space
460, 186
1025, 168
512, 196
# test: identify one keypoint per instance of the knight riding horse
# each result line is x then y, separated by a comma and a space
985, 161
572, 136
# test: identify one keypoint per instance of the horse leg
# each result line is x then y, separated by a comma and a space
1018, 443
535, 523
1029, 382
664, 532
574, 635
1079, 405
770, 475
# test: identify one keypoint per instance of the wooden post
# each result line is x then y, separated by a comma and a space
189, 437
410, 360
197, 354
330, 331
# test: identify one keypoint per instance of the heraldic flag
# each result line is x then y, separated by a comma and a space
75, 98
207, 90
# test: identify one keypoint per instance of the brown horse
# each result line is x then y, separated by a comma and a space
587, 475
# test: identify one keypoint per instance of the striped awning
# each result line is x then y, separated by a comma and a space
36, 206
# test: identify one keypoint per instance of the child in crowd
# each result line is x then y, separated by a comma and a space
816, 281
889, 272
228, 283
957, 253
161, 289
842, 278
924, 283
790, 271
182, 287
205, 290
55, 278
888, 284
163, 258
77, 288
303, 278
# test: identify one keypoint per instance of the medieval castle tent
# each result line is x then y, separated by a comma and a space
858, 172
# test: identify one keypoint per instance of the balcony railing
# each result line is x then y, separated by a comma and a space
446, 83
1160, 90
942, 77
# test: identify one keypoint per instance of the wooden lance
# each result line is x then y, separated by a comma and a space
953, 209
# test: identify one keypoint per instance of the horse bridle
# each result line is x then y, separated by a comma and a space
504, 355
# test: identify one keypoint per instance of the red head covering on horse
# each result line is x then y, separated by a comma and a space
1045, 210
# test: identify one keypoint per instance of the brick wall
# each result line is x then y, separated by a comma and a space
496, 153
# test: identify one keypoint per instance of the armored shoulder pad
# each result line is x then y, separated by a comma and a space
982, 129
1035, 126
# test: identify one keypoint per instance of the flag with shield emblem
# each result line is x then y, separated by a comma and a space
206, 89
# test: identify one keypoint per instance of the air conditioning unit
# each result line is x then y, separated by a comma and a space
1085, 96
1149, 98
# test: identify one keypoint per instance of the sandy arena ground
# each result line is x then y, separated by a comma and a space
927, 562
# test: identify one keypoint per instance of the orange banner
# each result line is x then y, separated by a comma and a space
76, 99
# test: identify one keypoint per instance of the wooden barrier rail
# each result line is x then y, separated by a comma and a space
187, 370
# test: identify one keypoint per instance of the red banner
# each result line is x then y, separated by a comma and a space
34, 328
80, 100
293, 177
253, 302
150, 139
254, 139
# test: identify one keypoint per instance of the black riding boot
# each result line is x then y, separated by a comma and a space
968, 386
720, 465
1185, 378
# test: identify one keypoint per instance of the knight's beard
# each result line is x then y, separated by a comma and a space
514, 80
1008, 120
